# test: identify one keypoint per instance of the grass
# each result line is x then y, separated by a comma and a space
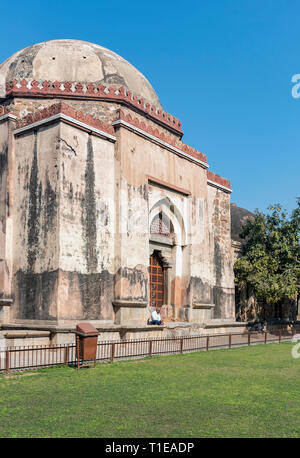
241, 392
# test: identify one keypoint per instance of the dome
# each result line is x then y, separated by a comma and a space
239, 217
76, 61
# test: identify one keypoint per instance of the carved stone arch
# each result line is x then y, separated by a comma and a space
170, 210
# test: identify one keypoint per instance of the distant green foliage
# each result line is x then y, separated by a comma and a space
270, 261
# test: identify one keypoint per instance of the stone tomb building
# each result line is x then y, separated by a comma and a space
104, 211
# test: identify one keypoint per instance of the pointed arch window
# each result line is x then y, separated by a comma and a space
161, 225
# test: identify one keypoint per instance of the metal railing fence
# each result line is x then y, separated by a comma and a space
41, 356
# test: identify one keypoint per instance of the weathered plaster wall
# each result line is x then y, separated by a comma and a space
86, 226
221, 252
193, 276
35, 222
81, 216
3, 200
6, 213
201, 279
140, 157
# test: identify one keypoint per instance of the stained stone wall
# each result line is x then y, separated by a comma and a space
88, 158
87, 226
81, 210
6, 197
36, 225
221, 249
3, 199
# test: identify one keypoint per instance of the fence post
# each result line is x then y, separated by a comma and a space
67, 355
113, 352
181, 345
207, 343
229, 344
77, 351
248, 338
150, 348
279, 336
7, 368
266, 336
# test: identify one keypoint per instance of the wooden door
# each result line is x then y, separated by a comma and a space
156, 281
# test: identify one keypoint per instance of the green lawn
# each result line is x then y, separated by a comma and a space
241, 392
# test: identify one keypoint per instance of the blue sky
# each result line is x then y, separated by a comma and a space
224, 68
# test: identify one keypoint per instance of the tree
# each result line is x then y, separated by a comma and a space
270, 258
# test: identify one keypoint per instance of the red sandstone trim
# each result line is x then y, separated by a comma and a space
161, 136
168, 185
217, 179
2, 110
69, 89
68, 111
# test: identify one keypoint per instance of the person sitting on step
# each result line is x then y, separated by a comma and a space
155, 317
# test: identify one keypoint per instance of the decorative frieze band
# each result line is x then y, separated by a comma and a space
177, 145
218, 181
123, 119
62, 108
69, 89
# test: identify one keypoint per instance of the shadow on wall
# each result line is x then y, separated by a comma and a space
223, 300
36, 295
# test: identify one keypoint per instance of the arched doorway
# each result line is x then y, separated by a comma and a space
167, 238
157, 284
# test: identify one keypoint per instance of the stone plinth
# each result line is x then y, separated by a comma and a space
130, 312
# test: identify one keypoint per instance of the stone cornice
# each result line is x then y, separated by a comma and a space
8, 116
219, 182
4, 115
69, 111
140, 127
61, 111
170, 186
72, 90
198, 305
129, 303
